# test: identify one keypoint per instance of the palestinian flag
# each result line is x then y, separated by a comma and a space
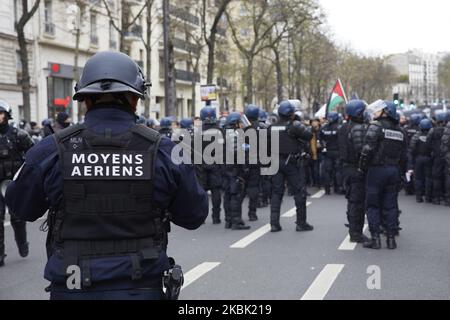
337, 97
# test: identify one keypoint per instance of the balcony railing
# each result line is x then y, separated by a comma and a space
184, 45
183, 14
135, 32
188, 76
49, 28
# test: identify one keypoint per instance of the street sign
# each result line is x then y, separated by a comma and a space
208, 93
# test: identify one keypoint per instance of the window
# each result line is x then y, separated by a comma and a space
112, 36
94, 37
49, 27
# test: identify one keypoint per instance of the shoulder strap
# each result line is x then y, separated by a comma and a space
147, 133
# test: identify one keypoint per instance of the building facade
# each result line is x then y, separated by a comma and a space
52, 37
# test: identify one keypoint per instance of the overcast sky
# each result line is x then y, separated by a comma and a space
390, 26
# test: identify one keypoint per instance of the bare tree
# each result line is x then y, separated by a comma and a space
210, 34
262, 15
23, 52
127, 20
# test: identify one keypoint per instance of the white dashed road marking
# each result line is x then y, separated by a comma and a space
200, 270
347, 245
318, 195
322, 284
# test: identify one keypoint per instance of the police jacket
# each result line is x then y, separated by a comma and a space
293, 137
434, 141
385, 144
445, 145
50, 175
419, 145
410, 132
13, 145
329, 139
351, 142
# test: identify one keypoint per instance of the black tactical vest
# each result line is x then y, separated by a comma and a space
436, 140
392, 144
422, 147
10, 158
356, 135
107, 207
287, 144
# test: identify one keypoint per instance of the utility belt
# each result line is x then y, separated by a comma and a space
80, 253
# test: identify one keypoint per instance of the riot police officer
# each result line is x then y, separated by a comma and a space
236, 176
411, 129
434, 141
264, 181
209, 175
293, 137
14, 143
253, 181
166, 127
329, 142
351, 140
384, 159
445, 149
112, 190
421, 162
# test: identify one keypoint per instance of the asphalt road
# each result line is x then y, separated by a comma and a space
221, 264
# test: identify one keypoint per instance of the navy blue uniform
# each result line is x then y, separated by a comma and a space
422, 165
385, 149
40, 184
331, 173
445, 149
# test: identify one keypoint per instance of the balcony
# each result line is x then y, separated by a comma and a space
183, 75
184, 45
184, 15
49, 28
222, 82
134, 34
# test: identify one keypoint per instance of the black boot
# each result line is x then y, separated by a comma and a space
419, 199
228, 225
217, 221
358, 238
374, 243
240, 226
391, 243
327, 190
2, 260
23, 249
275, 228
252, 217
304, 227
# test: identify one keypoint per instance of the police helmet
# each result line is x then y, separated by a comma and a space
448, 116
425, 124
391, 110
252, 112
151, 123
233, 119
356, 109
166, 123
441, 117
208, 114
333, 117
186, 123
415, 119
4, 107
286, 109
111, 72
263, 115
141, 120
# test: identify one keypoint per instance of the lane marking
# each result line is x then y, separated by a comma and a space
322, 284
318, 195
244, 242
291, 213
252, 237
346, 245
197, 272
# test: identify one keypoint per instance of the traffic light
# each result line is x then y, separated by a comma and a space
396, 98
